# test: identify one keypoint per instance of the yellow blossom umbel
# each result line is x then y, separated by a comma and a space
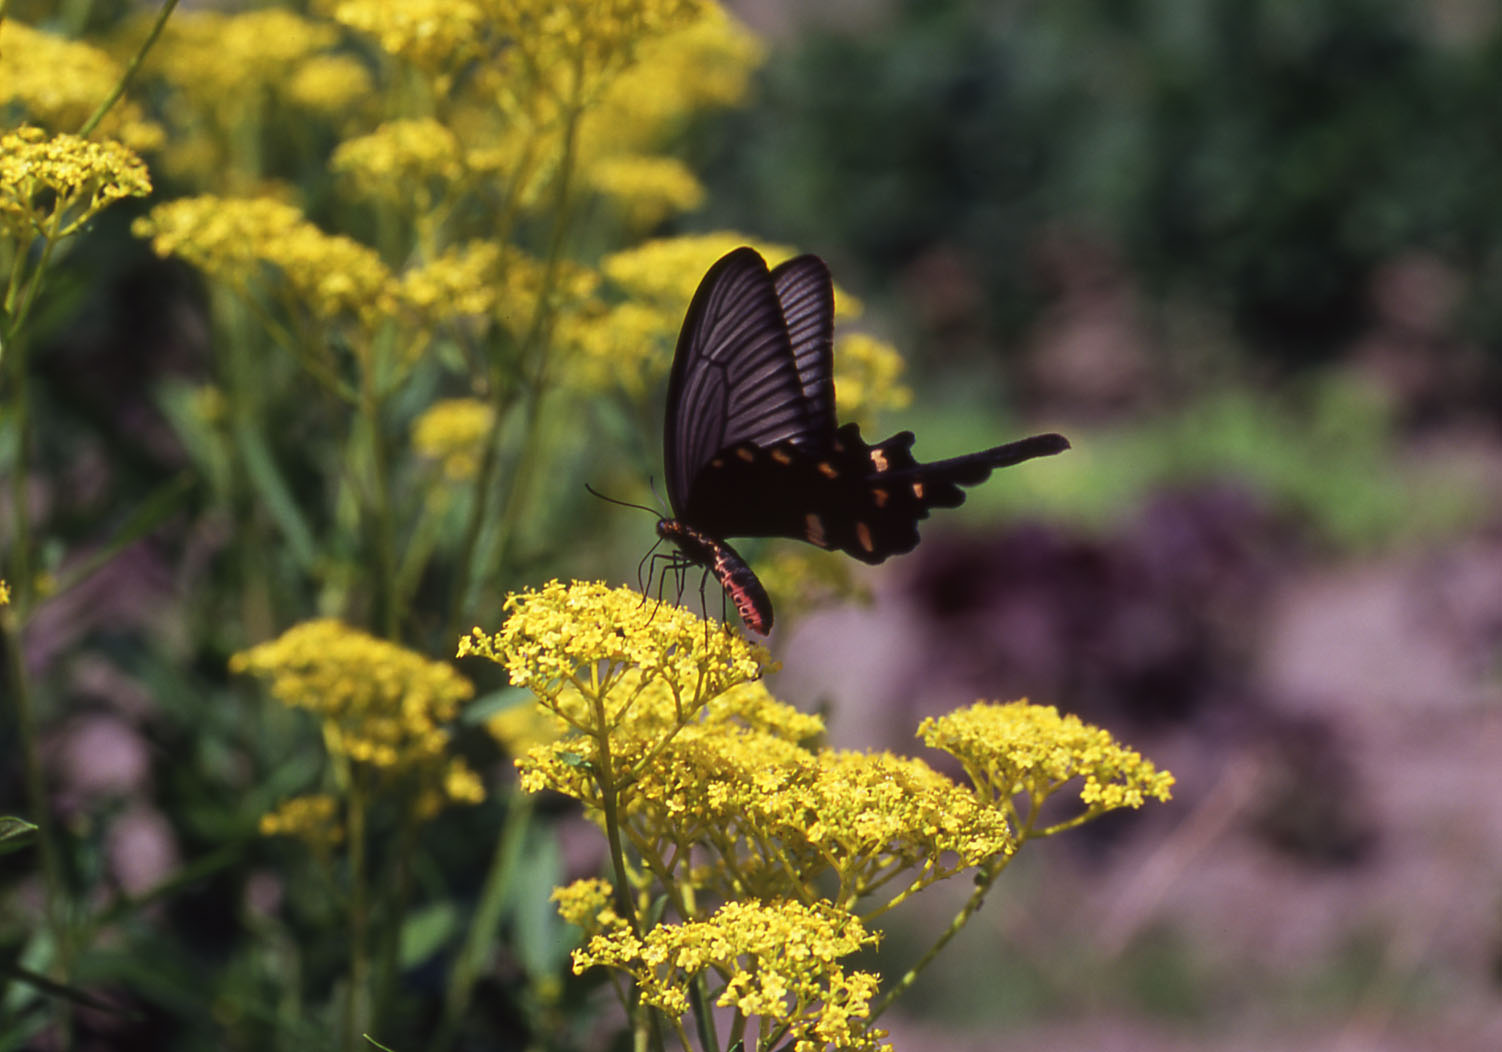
382, 707
59, 83
777, 963
50, 185
1032, 751
866, 372
4, 594
313, 818
231, 239
587, 635
453, 432
402, 161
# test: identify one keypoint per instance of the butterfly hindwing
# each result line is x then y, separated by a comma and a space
864, 500
806, 295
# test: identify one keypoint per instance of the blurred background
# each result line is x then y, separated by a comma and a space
1244, 253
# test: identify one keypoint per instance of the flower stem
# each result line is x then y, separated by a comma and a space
130, 70
487, 918
358, 1009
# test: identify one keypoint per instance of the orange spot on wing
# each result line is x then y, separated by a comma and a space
863, 534
827, 469
813, 529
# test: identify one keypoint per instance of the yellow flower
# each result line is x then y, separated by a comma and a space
865, 376
780, 960
649, 189
229, 238
4, 593
668, 270
588, 635
454, 432
586, 903
401, 161
623, 345
1018, 748
769, 813
380, 704
223, 62
463, 282
51, 185
59, 83
596, 38
330, 84
436, 36
313, 818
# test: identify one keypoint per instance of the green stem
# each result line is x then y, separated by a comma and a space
359, 920
54, 910
983, 883
533, 390
130, 70
388, 615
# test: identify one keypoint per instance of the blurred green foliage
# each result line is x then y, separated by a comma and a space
1260, 156
1326, 454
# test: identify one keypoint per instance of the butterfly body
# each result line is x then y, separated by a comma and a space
735, 576
751, 444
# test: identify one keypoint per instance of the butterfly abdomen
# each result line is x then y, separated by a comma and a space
740, 583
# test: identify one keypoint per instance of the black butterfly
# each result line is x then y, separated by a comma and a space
752, 449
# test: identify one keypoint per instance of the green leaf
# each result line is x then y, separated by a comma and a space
15, 833
272, 488
426, 930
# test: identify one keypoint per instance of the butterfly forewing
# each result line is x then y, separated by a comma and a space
734, 377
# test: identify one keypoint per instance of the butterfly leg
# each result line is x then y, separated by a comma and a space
642, 586
704, 604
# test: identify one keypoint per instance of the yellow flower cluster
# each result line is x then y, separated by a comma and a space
380, 704
453, 431
229, 238
59, 83
1019, 748
4, 594
866, 372
401, 161
665, 272
775, 816
649, 189
586, 903
52, 185
436, 36
594, 37
744, 721
330, 84
313, 818
462, 282
782, 960
706, 62
222, 62
588, 635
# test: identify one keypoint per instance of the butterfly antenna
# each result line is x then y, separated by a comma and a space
622, 503
652, 485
